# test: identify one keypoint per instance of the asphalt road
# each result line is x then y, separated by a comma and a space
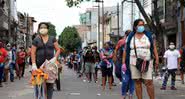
76, 88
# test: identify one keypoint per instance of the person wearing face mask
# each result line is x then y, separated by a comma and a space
89, 62
106, 64
21, 62
140, 48
172, 57
44, 47
9, 65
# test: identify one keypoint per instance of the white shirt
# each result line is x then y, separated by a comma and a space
10, 57
172, 58
142, 49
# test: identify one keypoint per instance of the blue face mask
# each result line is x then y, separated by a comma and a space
140, 29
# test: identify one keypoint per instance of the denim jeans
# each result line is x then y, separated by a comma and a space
127, 83
40, 91
12, 67
1, 71
173, 78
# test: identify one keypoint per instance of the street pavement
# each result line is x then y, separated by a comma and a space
76, 88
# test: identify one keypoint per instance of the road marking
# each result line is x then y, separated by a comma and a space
98, 94
75, 94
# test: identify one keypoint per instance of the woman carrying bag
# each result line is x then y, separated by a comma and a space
43, 47
138, 56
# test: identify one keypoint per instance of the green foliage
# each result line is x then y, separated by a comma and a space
72, 3
70, 39
52, 30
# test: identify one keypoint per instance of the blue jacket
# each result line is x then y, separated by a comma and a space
148, 34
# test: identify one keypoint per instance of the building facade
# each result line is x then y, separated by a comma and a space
90, 19
3, 20
8, 20
170, 18
25, 30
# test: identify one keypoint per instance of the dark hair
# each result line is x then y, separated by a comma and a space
45, 23
136, 22
34, 36
1, 44
127, 32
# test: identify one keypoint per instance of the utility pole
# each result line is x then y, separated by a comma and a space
132, 14
182, 21
9, 21
122, 11
122, 7
118, 20
99, 1
103, 22
98, 41
98, 26
27, 30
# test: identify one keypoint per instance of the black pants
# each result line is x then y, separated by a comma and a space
169, 72
49, 90
21, 69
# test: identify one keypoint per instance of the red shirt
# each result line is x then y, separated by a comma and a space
3, 55
121, 43
181, 51
21, 57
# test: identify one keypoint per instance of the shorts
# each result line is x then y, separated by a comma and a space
107, 71
136, 74
89, 68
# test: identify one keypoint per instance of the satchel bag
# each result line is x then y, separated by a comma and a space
141, 64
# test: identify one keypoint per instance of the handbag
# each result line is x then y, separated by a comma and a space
141, 64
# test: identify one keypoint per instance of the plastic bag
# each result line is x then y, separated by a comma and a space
51, 69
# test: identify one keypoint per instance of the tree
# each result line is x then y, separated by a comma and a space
71, 3
70, 39
52, 30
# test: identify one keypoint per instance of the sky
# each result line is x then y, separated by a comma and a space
56, 11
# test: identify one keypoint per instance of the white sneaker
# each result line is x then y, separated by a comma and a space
84, 80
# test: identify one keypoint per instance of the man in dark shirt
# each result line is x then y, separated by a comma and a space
89, 61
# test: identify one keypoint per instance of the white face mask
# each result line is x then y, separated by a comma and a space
43, 31
172, 47
8, 48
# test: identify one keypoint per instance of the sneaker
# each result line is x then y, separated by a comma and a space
173, 88
163, 88
1, 85
114, 84
182, 82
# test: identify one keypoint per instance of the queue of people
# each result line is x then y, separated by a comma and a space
134, 59
13, 61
